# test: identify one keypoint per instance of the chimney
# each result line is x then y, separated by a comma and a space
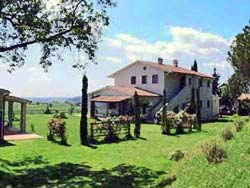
175, 62
160, 61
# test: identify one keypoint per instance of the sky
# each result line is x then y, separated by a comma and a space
141, 30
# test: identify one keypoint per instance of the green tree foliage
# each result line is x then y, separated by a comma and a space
71, 25
239, 54
239, 58
215, 83
144, 104
84, 112
236, 85
194, 67
198, 109
137, 130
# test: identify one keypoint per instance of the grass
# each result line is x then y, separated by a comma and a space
133, 163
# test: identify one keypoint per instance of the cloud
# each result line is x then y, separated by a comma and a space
185, 44
114, 60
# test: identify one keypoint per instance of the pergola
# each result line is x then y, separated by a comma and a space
11, 100
4, 97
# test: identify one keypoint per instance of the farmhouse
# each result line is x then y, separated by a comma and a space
149, 79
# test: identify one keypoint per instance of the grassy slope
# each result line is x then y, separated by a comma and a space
137, 162
194, 170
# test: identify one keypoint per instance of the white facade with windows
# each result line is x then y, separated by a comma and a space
178, 82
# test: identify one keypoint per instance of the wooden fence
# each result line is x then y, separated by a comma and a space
109, 130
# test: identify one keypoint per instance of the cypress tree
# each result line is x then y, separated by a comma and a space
84, 112
137, 130
198, 109
165, 127
215, 83
195, 66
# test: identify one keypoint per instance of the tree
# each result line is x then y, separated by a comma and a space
71, 109
144, 104
194, 67
71, 24
84, 112
215, 83
198, 109
165, 126
137, 130
239, 53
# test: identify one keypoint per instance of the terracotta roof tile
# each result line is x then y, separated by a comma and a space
171, 68
130, 91
166, 68
110, 98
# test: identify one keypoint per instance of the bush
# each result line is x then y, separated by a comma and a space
62, 115
227, 134
166, 181
214, 153
57, 128
176, 155
239, 125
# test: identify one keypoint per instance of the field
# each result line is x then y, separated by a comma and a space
134, 163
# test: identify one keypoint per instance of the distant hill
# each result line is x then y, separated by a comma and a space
48, 99
75, 100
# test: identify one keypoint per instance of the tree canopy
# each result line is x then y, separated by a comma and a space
215, 83
239, 58
70, 24
194, 67
239, 53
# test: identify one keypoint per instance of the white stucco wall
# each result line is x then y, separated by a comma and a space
124, 78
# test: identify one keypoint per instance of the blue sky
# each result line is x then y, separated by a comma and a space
142, 29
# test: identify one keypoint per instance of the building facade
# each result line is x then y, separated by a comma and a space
150, 79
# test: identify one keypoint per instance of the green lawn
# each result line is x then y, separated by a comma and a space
134, 163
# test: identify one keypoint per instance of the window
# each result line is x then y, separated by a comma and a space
144, 79
208, 83
200, 82
133, 79
208, 104
155, 79
190, 81
144, 68
200, 103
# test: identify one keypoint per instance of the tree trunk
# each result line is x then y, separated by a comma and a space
165, 126
137, 130
84, 112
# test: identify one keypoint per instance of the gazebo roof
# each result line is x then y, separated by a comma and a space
17, 99
244, 96
4, 92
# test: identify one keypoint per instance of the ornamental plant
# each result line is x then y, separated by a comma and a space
57, 128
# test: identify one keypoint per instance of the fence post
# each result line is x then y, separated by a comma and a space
91, 132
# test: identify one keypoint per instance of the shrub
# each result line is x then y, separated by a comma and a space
214, 153
32, 127
227, 134
166, 181
62, 115
47, 110
57, 128
239, 125
176, 155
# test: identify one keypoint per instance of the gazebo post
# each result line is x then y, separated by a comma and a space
10, 113
23, 117
1, 119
